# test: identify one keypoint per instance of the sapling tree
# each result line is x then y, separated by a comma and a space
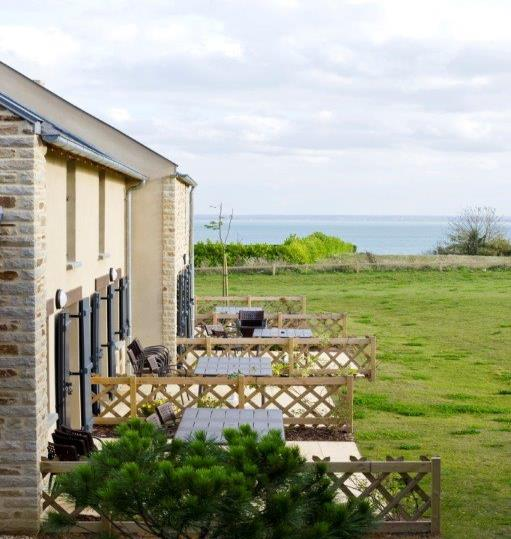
223, 226
253, 488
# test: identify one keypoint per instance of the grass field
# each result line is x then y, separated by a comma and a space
444, 379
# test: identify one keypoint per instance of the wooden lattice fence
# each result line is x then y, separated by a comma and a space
312, 356
273, 304
323, 325
302, 400
404, 495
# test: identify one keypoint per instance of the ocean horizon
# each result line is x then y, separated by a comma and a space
379, 234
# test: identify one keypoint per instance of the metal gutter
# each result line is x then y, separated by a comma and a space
75, 148
187, 180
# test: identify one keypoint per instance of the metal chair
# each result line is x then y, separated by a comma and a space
166, 414
249, 320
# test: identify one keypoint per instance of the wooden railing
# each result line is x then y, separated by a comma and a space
324, 325
312, 356
286, 304
302, 400
404, 495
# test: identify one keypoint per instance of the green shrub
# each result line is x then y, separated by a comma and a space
294, 250
254, 488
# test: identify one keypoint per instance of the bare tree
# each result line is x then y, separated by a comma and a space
473, 232
223, 227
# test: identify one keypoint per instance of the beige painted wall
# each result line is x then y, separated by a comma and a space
146, 265
87, 243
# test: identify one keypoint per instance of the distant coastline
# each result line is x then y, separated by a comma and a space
379, 234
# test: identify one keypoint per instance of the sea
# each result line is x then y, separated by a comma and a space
378, 234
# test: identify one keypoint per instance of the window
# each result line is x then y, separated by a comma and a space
101, 221
71, 214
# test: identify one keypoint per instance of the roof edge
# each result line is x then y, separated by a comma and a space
44, 89
186, 179
75, 148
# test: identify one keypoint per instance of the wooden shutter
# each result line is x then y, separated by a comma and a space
85, 361
62, 381
124, 321
110, 333
96, 350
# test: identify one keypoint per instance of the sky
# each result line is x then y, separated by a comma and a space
288, 106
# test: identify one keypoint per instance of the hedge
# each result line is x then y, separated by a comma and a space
294, 250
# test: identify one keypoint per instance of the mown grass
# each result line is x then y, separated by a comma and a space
444, 378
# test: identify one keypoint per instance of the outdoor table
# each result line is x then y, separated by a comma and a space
235, 310
214, 420
287, 332
223, 365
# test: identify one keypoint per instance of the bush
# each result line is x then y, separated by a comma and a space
478, 231
294, 250
254, 488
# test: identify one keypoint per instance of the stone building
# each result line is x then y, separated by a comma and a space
95, 235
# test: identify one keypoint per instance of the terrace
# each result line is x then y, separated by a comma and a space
303, 386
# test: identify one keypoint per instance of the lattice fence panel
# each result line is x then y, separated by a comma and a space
336, 354
404, 495
323, 325
394, 492
272, 304
310, 400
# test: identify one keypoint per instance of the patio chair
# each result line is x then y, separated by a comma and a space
215, 330
139, 356
154, 419
249, 320
80, 445
166, 415
83, 441
62, 452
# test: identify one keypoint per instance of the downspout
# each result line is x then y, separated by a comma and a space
129, 249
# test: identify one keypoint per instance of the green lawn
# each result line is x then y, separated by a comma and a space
444, 380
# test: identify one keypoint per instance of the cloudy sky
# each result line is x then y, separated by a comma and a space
288, 106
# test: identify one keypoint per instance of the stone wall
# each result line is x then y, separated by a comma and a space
23, 362
182, 224
168, 264
175, 233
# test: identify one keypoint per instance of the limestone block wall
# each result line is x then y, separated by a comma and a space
182, 224
23, 362
175, 244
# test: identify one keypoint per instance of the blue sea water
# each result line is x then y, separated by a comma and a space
390, 234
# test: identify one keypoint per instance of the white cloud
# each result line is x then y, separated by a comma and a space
44, 46
394, 102
119, 115
195, 35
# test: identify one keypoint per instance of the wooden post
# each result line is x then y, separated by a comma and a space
274, 269
373, 359
215, 318
279, 321
249, 301
435, 495
304, 304
106, 526
208, 346
349, 404
241, 391
291, 355
133, 396
344, 325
